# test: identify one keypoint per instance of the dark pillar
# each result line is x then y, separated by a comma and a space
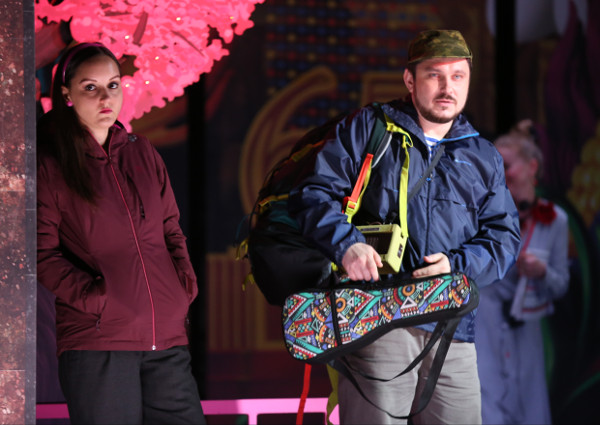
17, 213
505, 65
198, 179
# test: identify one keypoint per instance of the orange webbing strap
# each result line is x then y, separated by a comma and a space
303, 397
352, 202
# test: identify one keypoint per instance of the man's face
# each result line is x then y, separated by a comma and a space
439, 88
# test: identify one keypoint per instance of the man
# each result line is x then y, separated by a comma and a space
462, 219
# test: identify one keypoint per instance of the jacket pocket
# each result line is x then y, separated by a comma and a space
456, 211
189, 285
94, 296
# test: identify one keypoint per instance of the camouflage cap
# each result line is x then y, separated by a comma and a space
438, 44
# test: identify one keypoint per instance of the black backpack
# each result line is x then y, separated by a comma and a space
282, 260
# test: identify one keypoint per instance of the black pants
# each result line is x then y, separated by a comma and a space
130, 387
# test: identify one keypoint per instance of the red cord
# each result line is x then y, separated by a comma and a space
305, 389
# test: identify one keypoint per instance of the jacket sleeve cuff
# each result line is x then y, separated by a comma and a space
345, 244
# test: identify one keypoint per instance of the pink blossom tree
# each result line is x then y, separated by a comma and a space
171, 42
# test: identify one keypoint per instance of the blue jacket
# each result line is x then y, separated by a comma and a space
464, 209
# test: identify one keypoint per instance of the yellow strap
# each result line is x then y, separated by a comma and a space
392, 127
242, 249
352, 208
302, 152
402, 198
263, 203
332, 401
249, 279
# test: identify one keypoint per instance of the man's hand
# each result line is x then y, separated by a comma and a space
438, 264
361, 262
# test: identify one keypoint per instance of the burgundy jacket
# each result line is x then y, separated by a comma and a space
120, 269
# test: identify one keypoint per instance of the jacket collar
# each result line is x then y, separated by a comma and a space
117, 138
405, 114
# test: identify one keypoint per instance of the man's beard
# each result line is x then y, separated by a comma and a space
430, 115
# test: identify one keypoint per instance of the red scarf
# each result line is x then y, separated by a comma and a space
543, 212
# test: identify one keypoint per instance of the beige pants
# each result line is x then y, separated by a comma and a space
456, 399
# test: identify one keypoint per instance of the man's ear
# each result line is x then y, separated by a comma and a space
409, 80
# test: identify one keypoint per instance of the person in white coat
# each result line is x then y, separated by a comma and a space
508, 337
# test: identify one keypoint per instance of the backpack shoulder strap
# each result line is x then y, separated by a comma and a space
378, 143
381, 137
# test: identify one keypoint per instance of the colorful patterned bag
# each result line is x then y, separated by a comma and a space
316, 333
321, 326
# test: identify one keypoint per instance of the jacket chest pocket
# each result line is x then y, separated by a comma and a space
141, 197
456, 206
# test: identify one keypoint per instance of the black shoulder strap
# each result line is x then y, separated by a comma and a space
444, 331
432, 164
380, 137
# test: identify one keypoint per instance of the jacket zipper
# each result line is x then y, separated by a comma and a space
137, 244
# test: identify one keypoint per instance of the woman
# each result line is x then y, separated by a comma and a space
508, 337
110, 248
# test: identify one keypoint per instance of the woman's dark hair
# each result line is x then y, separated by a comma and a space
60, 134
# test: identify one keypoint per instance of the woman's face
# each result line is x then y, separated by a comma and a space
519, 172
97, 96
